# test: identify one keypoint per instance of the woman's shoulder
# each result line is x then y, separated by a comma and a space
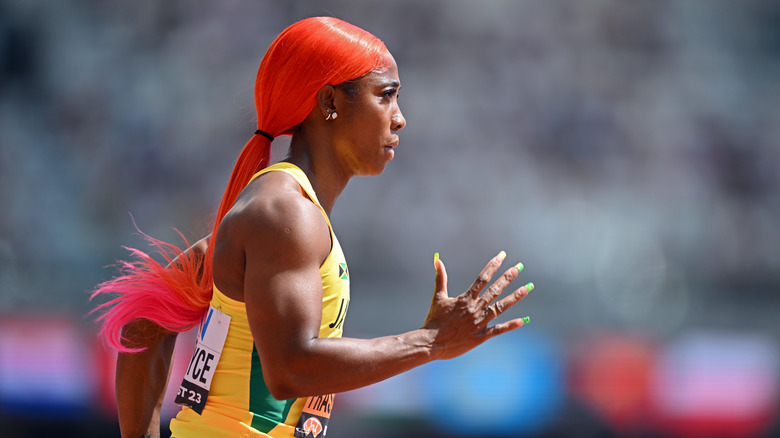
273, 194
275, 204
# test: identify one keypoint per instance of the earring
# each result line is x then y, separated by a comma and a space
331, 115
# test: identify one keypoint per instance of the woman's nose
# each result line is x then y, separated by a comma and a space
398, 121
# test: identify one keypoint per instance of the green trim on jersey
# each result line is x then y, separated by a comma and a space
260, 400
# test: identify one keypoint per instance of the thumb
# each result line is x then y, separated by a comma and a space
441, 278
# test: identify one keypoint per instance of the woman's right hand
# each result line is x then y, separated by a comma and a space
461, 323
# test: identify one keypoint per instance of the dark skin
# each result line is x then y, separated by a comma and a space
271, 244
141, 378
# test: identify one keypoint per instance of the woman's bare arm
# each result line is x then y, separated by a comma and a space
285, 242
141, 378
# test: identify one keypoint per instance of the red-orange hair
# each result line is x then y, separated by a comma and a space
304, 58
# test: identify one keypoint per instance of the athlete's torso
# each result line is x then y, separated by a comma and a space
238, 403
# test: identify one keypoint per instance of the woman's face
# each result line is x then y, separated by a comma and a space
366, 129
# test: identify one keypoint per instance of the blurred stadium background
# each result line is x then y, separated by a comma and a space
628, 153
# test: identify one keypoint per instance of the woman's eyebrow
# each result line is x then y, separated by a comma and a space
391, 83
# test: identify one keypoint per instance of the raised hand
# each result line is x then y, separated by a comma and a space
461, 323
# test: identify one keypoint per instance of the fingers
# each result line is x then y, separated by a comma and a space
480, 307
486, 275
441, 277
499, 307
508, 326
498, 287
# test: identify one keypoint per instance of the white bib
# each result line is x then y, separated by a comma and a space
212, 332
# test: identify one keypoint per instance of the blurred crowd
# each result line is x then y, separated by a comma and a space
628, 153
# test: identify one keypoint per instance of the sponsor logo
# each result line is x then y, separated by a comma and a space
312, 426
314, 417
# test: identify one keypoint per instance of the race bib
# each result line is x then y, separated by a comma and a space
212, 332
314, 417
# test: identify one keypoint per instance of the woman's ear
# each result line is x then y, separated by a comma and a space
326, 100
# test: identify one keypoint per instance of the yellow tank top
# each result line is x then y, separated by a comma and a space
238, 403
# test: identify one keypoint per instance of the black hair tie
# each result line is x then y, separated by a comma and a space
265, 134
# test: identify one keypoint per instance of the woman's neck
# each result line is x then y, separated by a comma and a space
324, 175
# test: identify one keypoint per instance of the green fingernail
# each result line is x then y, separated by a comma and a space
435, 260
529, 287
519, 267
526, 320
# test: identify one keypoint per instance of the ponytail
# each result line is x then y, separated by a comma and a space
305, 57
